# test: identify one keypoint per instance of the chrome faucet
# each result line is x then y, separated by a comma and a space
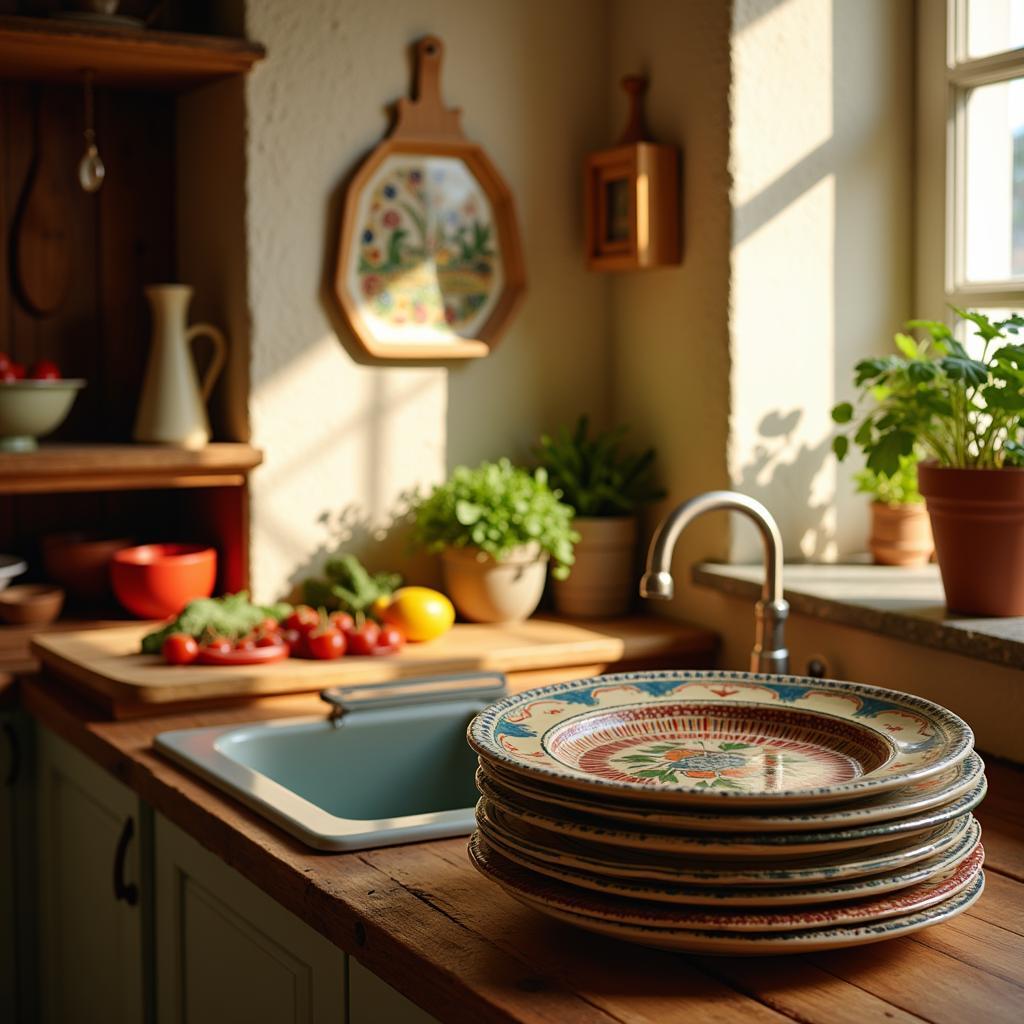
770, 613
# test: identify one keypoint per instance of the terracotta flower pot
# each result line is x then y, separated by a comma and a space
900, 534
978, 522
603, 578
485, 590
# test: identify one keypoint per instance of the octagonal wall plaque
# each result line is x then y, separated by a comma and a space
430, 264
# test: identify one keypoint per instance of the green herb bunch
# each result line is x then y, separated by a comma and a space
933, 396
596, 477
347, 586
898, 489
496, 507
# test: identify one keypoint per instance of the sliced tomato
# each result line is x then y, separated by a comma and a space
233, 656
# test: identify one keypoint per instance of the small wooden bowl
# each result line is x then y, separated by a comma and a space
31, 604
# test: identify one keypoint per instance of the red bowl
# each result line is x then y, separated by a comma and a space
156, 581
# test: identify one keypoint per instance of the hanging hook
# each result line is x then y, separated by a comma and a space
91, 170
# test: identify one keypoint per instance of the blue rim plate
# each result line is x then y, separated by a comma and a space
724, 739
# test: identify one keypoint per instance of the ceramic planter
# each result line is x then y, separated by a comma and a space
603, 578
900, 534
486, 590
977, 518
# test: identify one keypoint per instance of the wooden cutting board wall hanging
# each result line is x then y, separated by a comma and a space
430, 264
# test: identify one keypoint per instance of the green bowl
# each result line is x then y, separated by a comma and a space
30, 409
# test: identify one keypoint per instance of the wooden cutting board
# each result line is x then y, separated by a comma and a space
106, 662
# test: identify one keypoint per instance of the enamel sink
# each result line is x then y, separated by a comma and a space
376, 776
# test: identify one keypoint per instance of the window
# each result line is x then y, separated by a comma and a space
978, 91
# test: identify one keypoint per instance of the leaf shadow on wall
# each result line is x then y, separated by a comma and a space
782, 474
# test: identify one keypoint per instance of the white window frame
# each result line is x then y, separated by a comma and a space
945, 75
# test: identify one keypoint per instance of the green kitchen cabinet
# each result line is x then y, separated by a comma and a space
226, 953
91, 930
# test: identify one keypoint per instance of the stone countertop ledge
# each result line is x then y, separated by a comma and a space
905, 603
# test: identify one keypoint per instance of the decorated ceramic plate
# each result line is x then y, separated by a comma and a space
726, 844
622, 910
728, 739
521, 886
662, 867
912, 799
738, 896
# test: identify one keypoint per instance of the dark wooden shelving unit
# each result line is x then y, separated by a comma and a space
71, 468
88, 477
55, 50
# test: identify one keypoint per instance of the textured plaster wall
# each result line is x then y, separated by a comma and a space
671, 362
343, 440
822, 162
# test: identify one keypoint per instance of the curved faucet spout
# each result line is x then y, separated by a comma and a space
769, 654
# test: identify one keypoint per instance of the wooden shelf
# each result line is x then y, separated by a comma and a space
60, 468
55, 50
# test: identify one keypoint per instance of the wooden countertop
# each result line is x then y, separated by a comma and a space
421, 917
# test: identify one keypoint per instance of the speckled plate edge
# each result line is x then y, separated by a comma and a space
959, 740
780, 918
880, 807
763, 943
734, 844
620, 864
738, 896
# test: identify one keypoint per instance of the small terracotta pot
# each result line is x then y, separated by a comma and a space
977, 519
485, 590
900, 534
603, 579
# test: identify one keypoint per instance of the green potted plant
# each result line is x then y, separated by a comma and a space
605, 485
496, 528
900, 531
964, 413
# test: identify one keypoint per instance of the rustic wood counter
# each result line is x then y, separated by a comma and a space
421, 918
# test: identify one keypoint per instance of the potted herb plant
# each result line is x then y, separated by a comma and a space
605, 485
964, 413
496, 527
900, 531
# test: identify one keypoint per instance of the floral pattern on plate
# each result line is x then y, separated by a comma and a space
522, 887
845, 739
699, 895
427, 266
658, 915
918, 796
676, 869
573, 825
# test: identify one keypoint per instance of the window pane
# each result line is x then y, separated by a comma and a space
994, 26
995, 182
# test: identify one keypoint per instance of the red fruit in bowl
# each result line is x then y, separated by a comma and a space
5, 361
18, 369
45, 369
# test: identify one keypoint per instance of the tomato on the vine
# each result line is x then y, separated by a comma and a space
363, 639
303, 618
325, 644
180, 649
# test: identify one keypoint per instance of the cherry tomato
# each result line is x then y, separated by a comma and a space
5, 361
342, 621
180, 649
218, 645
325, 644
245, 643
363, 639
45, 369
389, 640
268, 625
303, 618
10, 372
269, 640
18, 369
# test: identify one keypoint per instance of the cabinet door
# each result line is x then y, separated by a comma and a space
91, 960
372, 1001
226, 953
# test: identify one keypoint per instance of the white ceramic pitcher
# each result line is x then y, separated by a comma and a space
172, 409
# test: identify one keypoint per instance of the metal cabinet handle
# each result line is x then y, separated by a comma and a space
14, 767
128, 892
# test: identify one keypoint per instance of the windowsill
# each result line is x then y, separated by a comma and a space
906, 604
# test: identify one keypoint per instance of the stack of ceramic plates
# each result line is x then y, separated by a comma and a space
721, 812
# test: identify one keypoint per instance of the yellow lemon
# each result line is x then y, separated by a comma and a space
420, 613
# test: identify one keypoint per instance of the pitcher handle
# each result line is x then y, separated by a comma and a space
220, 354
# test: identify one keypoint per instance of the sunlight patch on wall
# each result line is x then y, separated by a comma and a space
782, 89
